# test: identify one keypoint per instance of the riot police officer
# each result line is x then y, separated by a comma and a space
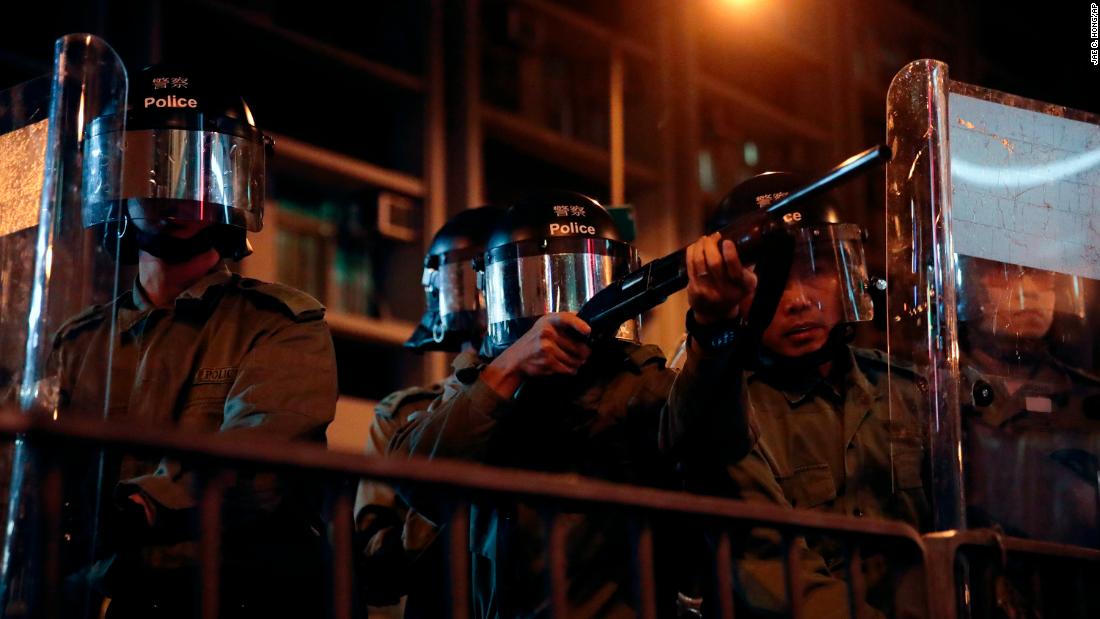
777, 406
396, 556
540, 396
195, 348
1032, 422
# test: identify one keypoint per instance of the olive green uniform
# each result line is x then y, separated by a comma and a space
247, 360
1053, 396
1031, 452
847, 444
393, 541
601, 423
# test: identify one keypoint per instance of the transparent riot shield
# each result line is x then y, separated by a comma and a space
23, 127
55, 270
993, 220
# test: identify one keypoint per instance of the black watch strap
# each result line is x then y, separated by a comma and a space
717, 336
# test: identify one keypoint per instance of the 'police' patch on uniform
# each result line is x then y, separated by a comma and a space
215, 375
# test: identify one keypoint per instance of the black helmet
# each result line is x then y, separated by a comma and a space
455, 312
763, 190
823, 245
191, 153
550, 252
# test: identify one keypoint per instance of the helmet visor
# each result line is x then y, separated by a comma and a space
829, 265
527, 279
459, 297
455, 308
174, 175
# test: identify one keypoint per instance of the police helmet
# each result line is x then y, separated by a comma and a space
823, 245
550, 252
455, 311
191, 152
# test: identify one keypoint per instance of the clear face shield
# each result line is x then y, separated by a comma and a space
461, 303
454, 305
527, 279
173, 175
827, 286
829, 263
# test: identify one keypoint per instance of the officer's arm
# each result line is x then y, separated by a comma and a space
382, 555
376, 505
706, 414
458, 424
286, 386
285, 389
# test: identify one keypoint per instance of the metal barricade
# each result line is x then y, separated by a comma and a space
462, 483
976, 573
982, 573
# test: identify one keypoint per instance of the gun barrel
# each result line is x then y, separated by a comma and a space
845, 170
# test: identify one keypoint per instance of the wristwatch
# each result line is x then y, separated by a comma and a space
717, 336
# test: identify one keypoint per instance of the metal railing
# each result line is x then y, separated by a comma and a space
982, 572
465, 483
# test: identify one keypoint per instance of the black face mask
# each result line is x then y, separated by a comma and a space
175, 250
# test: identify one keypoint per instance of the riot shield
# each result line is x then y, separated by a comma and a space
993, 220
23, 123
54, 270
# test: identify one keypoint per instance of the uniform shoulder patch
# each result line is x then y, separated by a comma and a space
299, 305
88, 318
390, 405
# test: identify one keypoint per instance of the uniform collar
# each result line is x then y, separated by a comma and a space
136, 306
845, 381
216, 278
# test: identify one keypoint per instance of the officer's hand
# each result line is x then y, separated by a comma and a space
136, 499
555, 344
719, 288
132, 522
